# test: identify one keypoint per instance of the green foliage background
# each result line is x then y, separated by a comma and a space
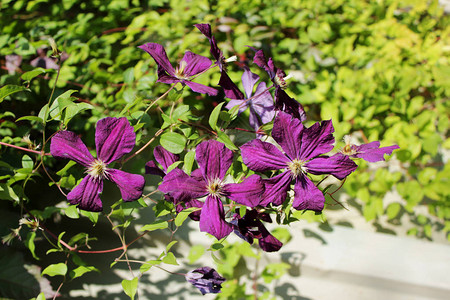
379, 69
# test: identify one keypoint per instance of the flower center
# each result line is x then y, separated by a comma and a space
280, 79
297, 167
215, 187
97, 170
349, 149
179, 71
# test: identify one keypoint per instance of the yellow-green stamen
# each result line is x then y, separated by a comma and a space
97, 169
297, 167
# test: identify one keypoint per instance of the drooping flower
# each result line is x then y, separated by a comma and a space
370, 152
13, 62
166, 159
303, 153
190, 65
261, 106
282, 100
230, 89
250, 227
43, 61
114, 137
214, 159
206, 279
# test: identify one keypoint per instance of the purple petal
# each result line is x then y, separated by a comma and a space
195, 63
247, 192
317, 139
229, 87
263, 103
287, 131
289, 105
214, 159
371, 153
249, 80
66, 144
86, 194
233, 103
254, 120
153, 169
262, 156
307, 195
200, 88
159, 55
164, 77
338, 165
268, 242
212, 218
130, 185
206, 279
215, 51
260, 60
164, 157
276, 189
181, 185
12, 63
114, 137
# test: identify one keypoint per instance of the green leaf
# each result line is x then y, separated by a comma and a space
170, 259
30, 118
29, 242
215, 116
182, 215
15, 281
189, 159
173, 142
41, 296
215, 247
130, 287
55, 270
222, 137
11, 89
148, 264
392, 210
80, 271
155, 226
27, 76
72, 212
93, 216
7, 193
168, 247
195, 253
27, 162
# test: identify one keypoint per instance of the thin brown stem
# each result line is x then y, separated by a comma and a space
25, 149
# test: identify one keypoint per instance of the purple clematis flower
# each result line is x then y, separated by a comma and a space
370, 152
302, 148
214, 159
261, 106
206, 279
43, 61
166, 159
250, 227
13, 62
282, 100
190, 65
114, 137
230, 89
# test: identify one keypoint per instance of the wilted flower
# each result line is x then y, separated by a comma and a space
303, 148
42, 61
165, 159
13, 62
206, 279
230, 89
250, 227
282, 100
114, 137
214, 159
190, 65
370, 152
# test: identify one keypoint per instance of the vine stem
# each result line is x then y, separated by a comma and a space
146, 263
145, 146
25, 149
